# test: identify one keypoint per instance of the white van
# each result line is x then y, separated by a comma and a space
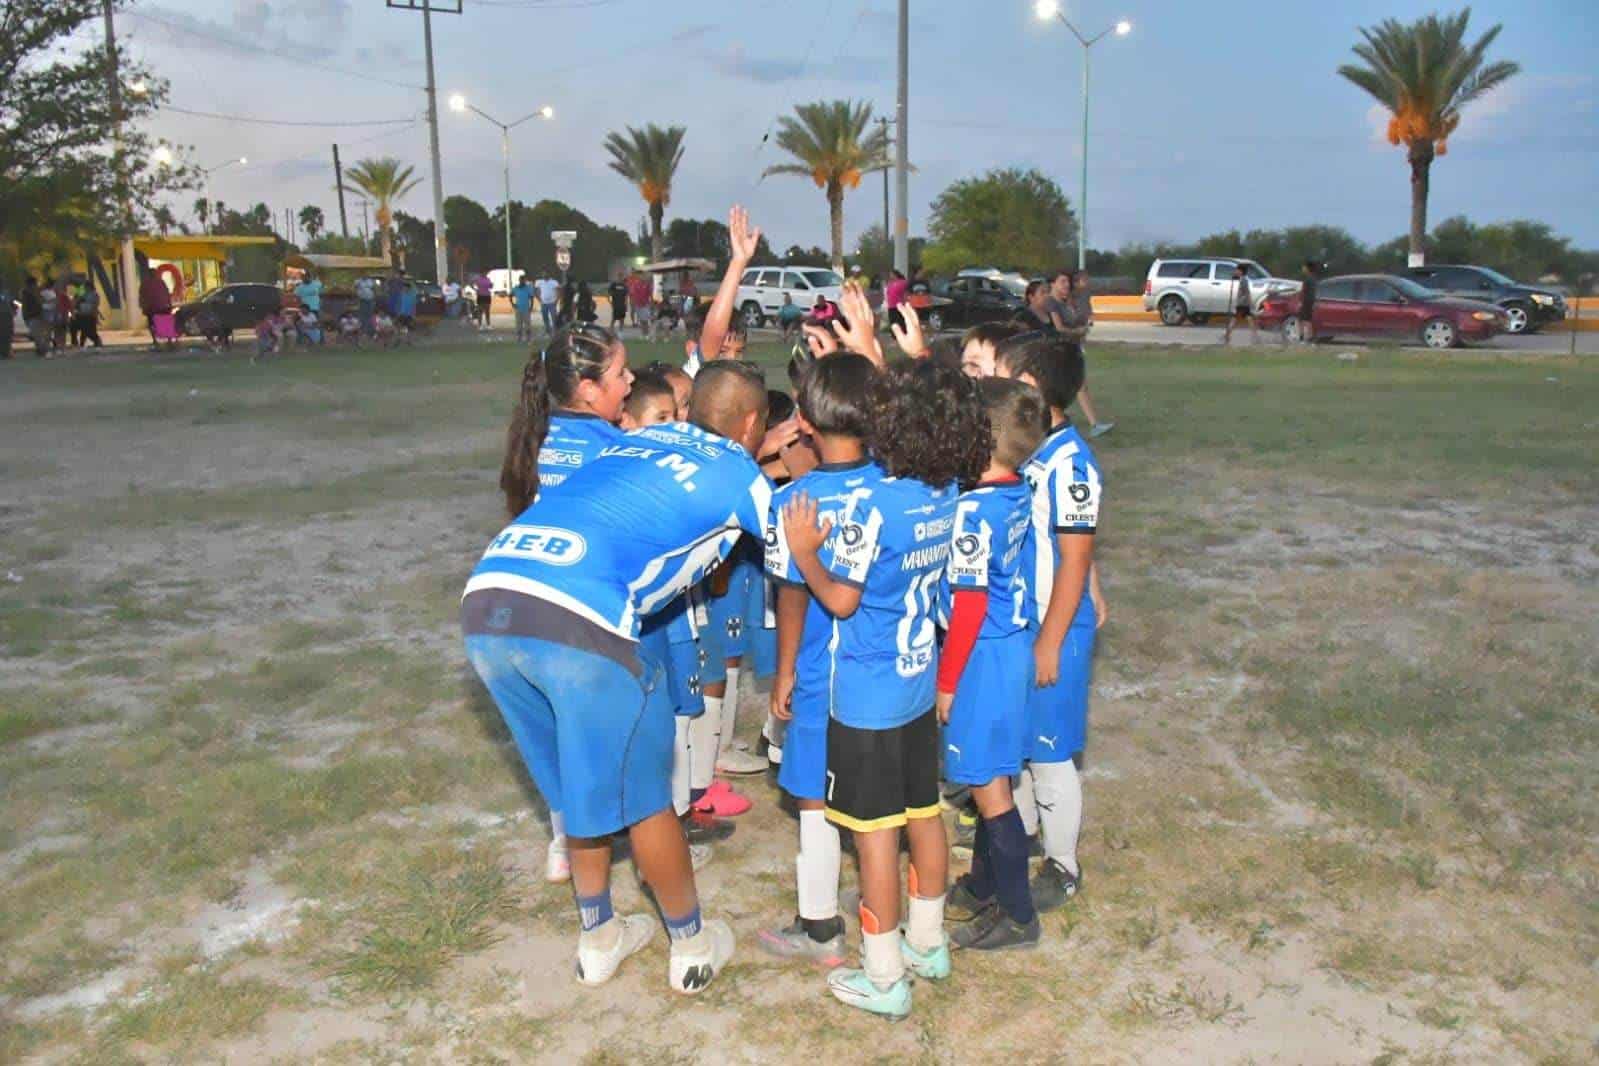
1191, 290
761, 290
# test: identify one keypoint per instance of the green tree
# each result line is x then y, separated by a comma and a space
164, 220
64, 178
809, 257
470, 226
383, 181
835, 144
707, 238
1424, 72
649, 158
312, 221
1012, 218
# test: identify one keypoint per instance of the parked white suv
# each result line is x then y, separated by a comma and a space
1185, 290
761, 290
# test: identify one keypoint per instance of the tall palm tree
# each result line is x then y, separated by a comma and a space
649, 158
383, 181
312, 220
835, 145
165, 221
1424, 72
202, 208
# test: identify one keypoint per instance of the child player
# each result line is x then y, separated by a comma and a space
1066, 485
985, 671
875, 569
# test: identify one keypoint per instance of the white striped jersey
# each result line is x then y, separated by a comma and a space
1066, 491
633, 528
990, 550
574, 438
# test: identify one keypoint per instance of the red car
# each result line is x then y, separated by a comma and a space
1372, 304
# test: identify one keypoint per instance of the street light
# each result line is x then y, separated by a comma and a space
1047, 9
162, 156
460, 103
206, 173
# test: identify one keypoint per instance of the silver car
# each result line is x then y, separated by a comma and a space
761, 290
1191, 290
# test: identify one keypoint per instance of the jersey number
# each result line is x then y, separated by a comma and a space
914, 635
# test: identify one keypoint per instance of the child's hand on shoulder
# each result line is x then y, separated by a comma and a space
806, 533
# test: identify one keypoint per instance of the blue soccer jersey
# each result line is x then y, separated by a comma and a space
993, 534
1066, 490
891, 539
632, 529
574, 440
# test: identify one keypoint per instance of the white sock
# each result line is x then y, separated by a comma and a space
730, 707
703, 738
1026, 805
558, 830
682, 764
1060, 810
774, 730
925, 930
816, 866
882, 959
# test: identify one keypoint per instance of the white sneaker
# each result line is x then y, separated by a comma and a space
737, 763
626, 934
697, 960
557, 866
699, 856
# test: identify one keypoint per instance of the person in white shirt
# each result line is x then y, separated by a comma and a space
452, 299
549, 295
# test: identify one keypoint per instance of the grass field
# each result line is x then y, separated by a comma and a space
1342, 790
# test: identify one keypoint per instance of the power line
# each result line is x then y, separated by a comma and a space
285, 122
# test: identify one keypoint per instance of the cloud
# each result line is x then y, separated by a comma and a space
311, 29
737, 63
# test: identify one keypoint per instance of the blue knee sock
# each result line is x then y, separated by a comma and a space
682, 928
595, 911
981, 880
1008, 849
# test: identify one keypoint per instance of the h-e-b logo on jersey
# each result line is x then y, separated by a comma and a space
543, 544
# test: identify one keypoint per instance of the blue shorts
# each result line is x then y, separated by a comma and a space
597, 740
725, 634
803, 771
681, 662
987, 733
760, 626
1057, 716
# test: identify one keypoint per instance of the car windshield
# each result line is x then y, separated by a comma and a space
1015, 286
822, 279
1494, 276
1411, 289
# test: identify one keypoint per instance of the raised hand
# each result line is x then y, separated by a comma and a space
861, 336
909, 337
819, 341
744, 237
805, 533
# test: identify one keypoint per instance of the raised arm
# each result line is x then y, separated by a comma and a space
744, 239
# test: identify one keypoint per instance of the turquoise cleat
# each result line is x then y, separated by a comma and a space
853, 987
932, 965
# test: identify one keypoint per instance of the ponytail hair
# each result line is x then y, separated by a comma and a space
549, 381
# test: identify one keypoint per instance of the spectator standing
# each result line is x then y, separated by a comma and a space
894, 293
32, 301
640, 296
568, 303
1243, 306
549, 302
366, 298
155, 300
1074, 317
48, 299
1036, 316
522, 301
310, 293
586, 312
1307, 303
61, 320
452, 299
8, 325
617, 291
86, 316
485, 298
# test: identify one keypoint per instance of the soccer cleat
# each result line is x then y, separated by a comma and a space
995, 930
697, 960
793, 942
853, 987
1054, 886
1099, 429
702, 828
597, 965
699, 856
961, 904
965, 830
557, 867
735, 762
722, 801
930, 965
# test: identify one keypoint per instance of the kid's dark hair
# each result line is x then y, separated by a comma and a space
779, 406
648, 385
836, 395
1032, 287
946, 351
694, 325
995, 333
1051, 360
930, 425
549, 381
1016, 416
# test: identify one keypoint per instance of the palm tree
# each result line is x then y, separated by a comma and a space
649, 158
164, 219
312, 221
202, 208
383, 181
1424, 73
834, 145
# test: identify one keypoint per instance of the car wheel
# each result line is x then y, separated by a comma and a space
753, 319
1291, 329
1520, 320
935, 321
1173, 312
191, 326
1439, 333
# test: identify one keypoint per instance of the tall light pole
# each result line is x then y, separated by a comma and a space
902, 224
207, 172
1046, 9
460, 103
428, 9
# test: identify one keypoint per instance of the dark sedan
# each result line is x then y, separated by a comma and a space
221, 311
1384, 305
966, 301
1527, 308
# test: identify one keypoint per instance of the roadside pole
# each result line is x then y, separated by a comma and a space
132, 316
902, 225
440, 266
338, 180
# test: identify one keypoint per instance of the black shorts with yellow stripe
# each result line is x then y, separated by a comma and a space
882, 778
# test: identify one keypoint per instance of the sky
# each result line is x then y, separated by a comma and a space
1206, 117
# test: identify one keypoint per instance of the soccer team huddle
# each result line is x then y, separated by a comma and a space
904, 547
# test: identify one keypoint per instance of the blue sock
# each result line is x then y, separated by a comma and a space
685, 927
1008, 847
694, 795
595, 911
981, 880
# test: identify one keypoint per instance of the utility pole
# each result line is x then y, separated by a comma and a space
129, 282
902, 225
338, 180
439, 263
887, 233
